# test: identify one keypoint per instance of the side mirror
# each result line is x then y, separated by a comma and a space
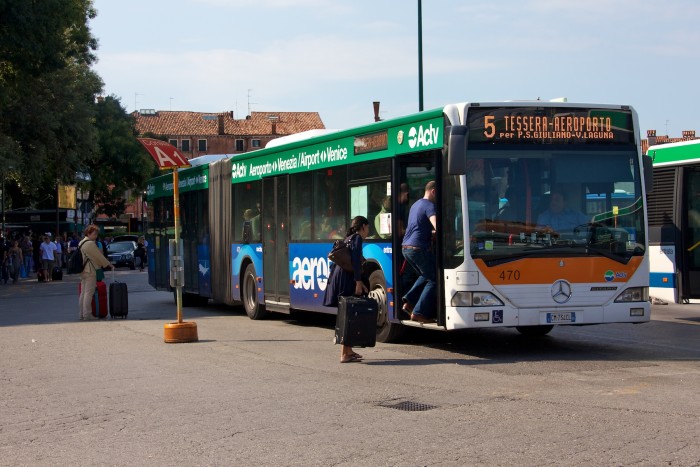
457, 150
648, 168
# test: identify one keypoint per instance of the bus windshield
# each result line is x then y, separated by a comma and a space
548, 202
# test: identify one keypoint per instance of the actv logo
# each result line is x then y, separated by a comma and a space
238, 170
422, 137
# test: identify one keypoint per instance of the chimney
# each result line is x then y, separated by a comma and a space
651, 137
375, 104
221, 125
273, 121
688, 134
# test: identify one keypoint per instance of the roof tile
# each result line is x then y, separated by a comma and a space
183, 123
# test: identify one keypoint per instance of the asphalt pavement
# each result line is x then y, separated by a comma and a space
272, 392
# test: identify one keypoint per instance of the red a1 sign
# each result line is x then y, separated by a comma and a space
165, 154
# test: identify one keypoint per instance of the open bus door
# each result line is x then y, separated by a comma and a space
412, 174
691, 235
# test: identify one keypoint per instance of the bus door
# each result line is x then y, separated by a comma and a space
412, 174
691, 234
276, 242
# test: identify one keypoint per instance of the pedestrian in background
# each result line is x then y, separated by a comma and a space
27, 254
58, 254
15, 260
141, 252
93, 259
47, 249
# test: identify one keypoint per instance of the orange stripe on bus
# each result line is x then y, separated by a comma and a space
547, 270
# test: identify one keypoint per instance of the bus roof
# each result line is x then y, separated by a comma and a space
682, 152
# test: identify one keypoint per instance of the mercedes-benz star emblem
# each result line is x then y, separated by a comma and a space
561, 291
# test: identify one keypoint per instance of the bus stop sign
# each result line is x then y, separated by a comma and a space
165, 154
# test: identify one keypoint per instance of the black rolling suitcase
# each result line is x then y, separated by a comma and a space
118, 299
57, 274
356, 324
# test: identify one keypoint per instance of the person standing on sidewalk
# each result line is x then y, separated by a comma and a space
92, 260
419, 301
27, 254
15, 260
58, 254
47, 249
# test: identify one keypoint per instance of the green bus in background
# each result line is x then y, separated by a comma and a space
674, 222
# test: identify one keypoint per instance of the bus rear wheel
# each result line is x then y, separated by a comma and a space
386, 331
249, 295
534, 331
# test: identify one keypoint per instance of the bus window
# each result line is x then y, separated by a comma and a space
246, 210
329, 203
300, 204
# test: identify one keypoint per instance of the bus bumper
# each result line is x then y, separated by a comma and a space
483, 317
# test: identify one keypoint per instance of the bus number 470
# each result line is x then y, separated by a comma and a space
510, 275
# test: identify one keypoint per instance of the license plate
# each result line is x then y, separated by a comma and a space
562, 317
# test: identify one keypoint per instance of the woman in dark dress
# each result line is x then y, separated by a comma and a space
343, 283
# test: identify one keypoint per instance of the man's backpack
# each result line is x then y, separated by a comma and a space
75, 262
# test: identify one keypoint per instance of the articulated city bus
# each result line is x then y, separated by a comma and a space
257, 227
674, 222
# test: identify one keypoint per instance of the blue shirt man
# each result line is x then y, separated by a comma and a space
419, 301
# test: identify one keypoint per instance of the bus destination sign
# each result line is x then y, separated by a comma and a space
373, 142
549, 125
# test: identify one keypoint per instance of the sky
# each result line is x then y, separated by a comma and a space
336, 57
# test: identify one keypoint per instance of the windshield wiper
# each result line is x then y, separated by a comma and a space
550, 251
613, 256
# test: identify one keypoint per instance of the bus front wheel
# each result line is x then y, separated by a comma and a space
249, 295
386, 331
534, 331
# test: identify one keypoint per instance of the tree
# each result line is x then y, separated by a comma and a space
47, 95
123, 164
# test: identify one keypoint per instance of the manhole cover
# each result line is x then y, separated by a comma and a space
408, 406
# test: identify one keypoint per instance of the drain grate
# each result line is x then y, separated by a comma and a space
407, 406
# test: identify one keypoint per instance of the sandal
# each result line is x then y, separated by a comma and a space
356, 355
350, 359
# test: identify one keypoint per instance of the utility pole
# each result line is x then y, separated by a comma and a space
250, 103
136, 94
420, 56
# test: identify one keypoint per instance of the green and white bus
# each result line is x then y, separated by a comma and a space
257, 232
674, 222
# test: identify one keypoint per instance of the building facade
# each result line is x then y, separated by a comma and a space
200, 133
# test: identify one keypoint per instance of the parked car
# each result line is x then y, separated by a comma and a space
122, 254
125, 238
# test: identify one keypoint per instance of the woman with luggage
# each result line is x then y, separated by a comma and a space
344, 283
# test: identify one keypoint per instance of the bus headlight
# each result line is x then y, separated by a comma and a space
633, 294
475, 299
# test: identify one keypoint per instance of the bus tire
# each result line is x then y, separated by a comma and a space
249, 295
386, 331
534, 331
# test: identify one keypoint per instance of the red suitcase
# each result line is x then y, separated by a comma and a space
99, 301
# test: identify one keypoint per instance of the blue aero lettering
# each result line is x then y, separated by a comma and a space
310, 273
